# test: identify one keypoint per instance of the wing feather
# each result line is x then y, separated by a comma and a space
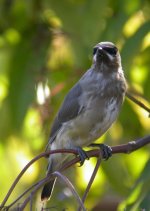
69, 110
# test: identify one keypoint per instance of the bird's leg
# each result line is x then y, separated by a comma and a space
82, 154
106, 150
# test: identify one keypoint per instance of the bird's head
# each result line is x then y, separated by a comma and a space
106, 56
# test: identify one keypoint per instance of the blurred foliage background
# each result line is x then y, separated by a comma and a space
45, 47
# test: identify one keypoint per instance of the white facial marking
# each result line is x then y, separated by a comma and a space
110, 57
94, 58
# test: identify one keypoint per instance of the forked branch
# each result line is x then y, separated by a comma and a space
124, 148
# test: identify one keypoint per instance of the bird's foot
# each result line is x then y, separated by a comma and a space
106, 150
82, 155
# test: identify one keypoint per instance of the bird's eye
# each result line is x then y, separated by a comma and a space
111, 51
95, 50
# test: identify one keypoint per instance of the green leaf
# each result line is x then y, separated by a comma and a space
139, 195
132, 47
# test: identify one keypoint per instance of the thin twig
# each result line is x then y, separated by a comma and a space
18, 178
39, 185
69, 184
138, 102
24, 193
91, 179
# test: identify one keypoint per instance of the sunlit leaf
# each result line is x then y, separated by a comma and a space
139, 196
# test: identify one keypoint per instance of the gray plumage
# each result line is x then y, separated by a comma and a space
89, 109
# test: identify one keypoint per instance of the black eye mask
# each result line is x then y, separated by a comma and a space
95, 50
111, 51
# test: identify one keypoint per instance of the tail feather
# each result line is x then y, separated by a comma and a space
47, 190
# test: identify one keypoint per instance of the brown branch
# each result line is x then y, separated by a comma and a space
138, 102
131, 146
124, 148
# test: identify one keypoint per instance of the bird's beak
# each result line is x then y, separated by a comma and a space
102, 53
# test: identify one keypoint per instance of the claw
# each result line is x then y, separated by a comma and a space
106, 150
82, 154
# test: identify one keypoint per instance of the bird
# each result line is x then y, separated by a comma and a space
88, 110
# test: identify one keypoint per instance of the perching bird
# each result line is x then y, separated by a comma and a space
89, 109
